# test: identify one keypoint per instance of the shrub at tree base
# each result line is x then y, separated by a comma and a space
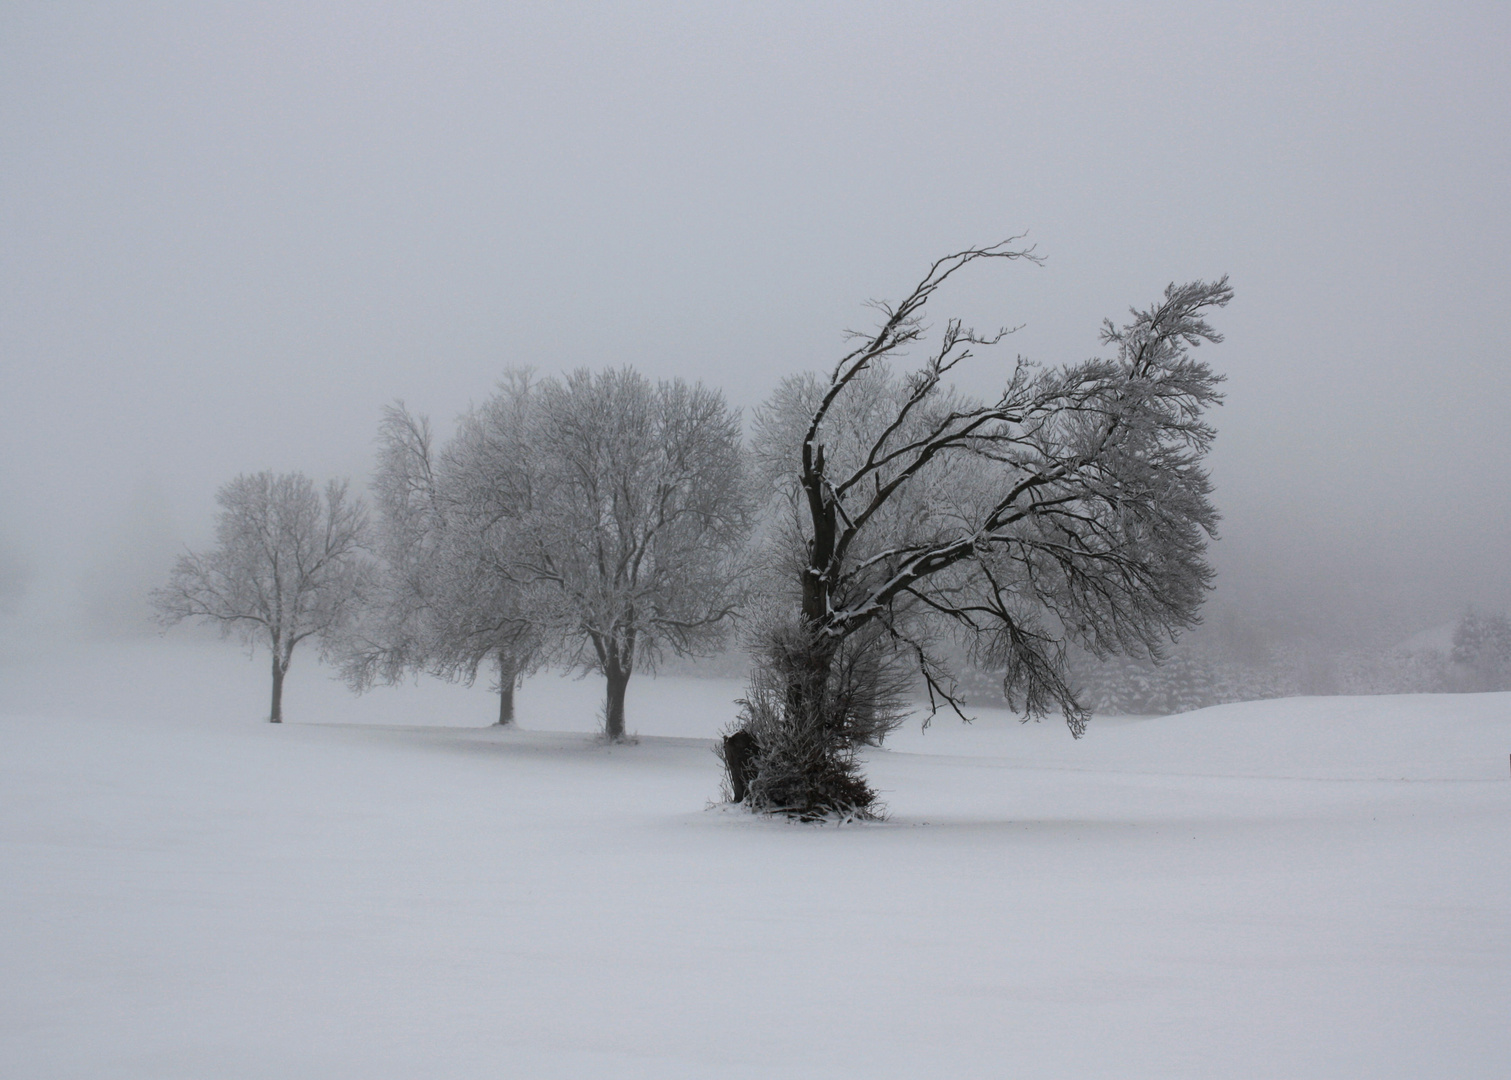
799, 769
802, 725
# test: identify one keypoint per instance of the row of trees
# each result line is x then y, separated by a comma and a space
881, 523
593, 522
1204, 671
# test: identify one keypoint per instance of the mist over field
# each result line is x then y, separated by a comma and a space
229, 236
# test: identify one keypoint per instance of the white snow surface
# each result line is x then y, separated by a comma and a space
1315, 887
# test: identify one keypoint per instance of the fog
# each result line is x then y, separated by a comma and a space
230, 234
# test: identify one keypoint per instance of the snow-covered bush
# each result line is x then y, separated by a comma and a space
1378, 671
1482, 645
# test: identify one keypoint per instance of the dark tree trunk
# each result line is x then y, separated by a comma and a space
613, 712
740, 753
280, 666
808, 676
506, 679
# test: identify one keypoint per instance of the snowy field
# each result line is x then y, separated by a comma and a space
385, 888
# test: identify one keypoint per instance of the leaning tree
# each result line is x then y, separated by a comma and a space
287, 566
915, 523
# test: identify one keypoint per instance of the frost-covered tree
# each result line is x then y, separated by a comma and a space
287, 565
594, 521
388, 639
488, 471
1390, 671
1072, 508
1482, 643
447, 602
638, 518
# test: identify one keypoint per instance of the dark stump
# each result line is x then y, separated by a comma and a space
740, 753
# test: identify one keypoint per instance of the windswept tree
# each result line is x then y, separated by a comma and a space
287, 565
637, 520
448, 602
915, 520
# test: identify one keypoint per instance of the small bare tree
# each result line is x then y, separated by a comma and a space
287, 566
1073, 508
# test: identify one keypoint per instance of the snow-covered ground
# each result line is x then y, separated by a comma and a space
1302, 888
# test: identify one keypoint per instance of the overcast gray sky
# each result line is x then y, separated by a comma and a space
229, 233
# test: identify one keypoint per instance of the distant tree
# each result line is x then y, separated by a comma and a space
287, 566
1072, 508
489, 472
1482, 643
1391, 671
637, 518
388, 639
447, 602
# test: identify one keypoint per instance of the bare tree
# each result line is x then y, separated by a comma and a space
637, 518
388, 638
287, 565
447, 602
489, 471
1073, 508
